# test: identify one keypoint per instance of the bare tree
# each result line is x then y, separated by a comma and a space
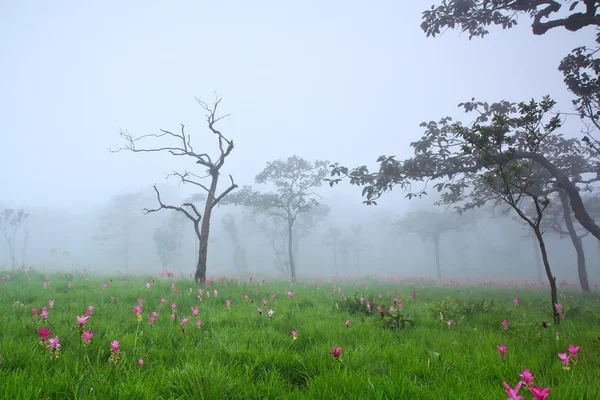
10, 222
182, 146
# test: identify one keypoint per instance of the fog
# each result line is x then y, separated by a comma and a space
342, 81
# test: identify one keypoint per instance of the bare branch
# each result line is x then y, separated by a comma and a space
225, 193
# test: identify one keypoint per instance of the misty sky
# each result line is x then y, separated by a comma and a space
343, 81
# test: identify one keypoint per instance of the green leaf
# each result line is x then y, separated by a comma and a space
573, 5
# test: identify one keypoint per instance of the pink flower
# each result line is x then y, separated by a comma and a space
44, 315
141, 362
137, 310
526, 376
264, 303
194, 312
564, 359
290, 295
413, 295
540, 394
163, 301
273, 296
173, 306
294, 335
449, 324
44, 333
51, 303
516, 303
87, 337
173, 316
82, 320
502, 350
147, 287
505, 324
228, 304
513, 394
259, 310
115, 346
347, 324
199, 323
573, 351
215, 292
336, 352
245, 297
34, 311
270, 313
53, 344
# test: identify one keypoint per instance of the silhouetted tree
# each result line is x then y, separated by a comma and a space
117, 222
294, 179
239, 252
429, 226
10, 222
182, 146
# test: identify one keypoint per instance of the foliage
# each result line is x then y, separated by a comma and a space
229, 360
458, 310
396, 320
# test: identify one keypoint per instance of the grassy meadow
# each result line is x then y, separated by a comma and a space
426, 340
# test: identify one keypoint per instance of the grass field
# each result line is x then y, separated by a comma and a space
413, 352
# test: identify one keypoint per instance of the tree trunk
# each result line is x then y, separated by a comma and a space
200, 276
357, 255
538, 259
436, 242
581, 269
551, 279
290, 222
569, 187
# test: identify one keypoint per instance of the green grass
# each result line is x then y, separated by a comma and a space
238, 354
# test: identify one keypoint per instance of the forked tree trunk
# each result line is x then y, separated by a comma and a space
581, 269
551, 278
291, 249
205, 229
538, 259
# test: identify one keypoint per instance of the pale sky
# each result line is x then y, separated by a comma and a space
339, 80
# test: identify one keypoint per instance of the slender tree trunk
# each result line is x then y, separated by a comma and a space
581, 269
290, 221
436, 242
538, 259
551, 278
205, 229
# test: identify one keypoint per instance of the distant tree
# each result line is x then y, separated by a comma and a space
117, 221
352, 243
168, 240
239, 252
333, 239
182, 147
294, 179
10, 223
429, 226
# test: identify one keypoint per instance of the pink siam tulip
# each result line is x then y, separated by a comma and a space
34, 312
565, 359
294, 335
505, 324
137, 310
54, 346
199, 323
259, 310
516, 303
87, 337
141, 362
336, 353
195, 312
539, 393
347, 324
44, 333
290, 295
228, 304
51, 303
502, 350
182, 324
513, 394
527, 377
270, 313
114, 351
81, 321
573, 352
44, 315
